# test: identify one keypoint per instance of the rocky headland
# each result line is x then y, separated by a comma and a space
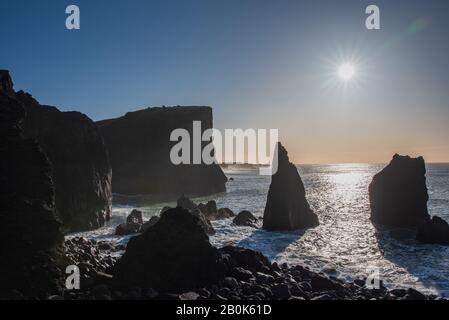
139, 148
80, 169
32, 257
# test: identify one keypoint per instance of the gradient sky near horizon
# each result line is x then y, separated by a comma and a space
259, 63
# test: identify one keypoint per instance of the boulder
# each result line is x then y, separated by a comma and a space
434, 231
134, 224
246, 259
139, 146
124, 229
174, 255
205, 223
135, 217
398, 194
211, 208
323, 283
224, 213
287, 207
245, 219
150, 223
189, 205
186, 203
80, 164
31, 252
212, 213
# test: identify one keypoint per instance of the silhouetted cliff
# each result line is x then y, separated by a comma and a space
139, 148
31, 254
81, 171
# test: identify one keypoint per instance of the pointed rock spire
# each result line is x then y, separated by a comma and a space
287, 207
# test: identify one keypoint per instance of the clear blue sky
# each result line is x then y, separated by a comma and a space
259, 63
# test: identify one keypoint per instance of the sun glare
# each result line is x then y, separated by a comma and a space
346, 71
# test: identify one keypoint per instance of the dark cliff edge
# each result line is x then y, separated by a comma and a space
139, 148
80, 166
31, 252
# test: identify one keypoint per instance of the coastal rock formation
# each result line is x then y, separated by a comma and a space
212, 213
434, 231
398, 194
173, 255
209, 209
193, 209
147, 225
398, 197
245, 219
80, 168
287, 207
31, 252
223, 213
80, 165
248, 275
139, 147
134, 223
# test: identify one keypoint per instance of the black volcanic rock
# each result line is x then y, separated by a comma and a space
434, 231
212, 213
190, 206
31, 253
398, 194
171, 256
81, 170
139, 148
245, 219
133, 224
6, 84
287, 207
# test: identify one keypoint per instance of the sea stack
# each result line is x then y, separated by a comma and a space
398, 194
31, 254
287, 207
139, 147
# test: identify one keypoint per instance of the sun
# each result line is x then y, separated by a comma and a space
346, 71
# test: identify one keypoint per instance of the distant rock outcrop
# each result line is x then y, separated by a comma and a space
172, 256
80, 165
31, 253
398, 194
213, 213
287, 207
245, 219
139, 147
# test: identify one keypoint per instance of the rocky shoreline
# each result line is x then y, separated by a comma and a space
147, 270
169, 257
252, 277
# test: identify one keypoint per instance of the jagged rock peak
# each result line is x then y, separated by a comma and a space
6, 84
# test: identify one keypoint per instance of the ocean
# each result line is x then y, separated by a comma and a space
345, 245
